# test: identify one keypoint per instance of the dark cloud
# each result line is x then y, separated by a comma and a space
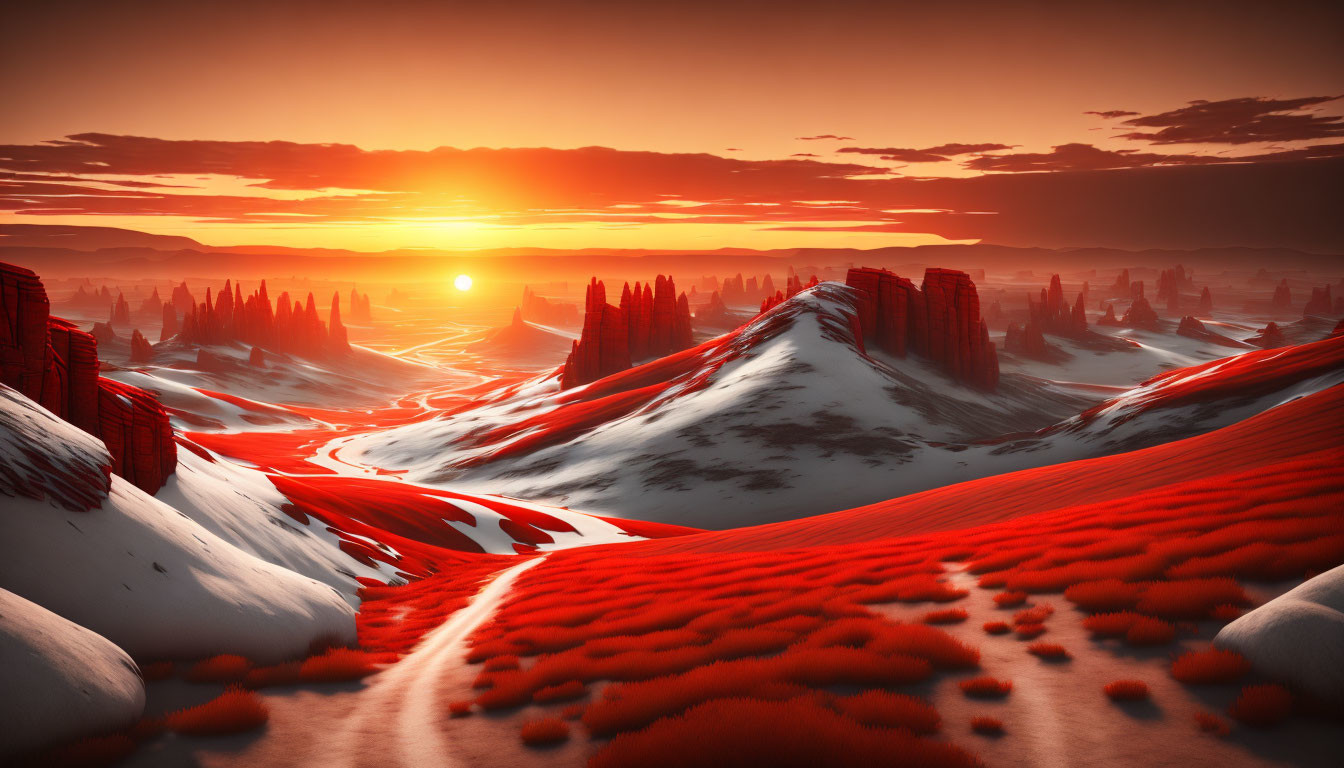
1111, 113
825, 136
938, 154
1240, 121
1092, 197
1086, 157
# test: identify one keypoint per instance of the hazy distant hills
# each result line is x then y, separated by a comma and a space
74, 251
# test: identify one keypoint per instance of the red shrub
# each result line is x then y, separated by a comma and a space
1104, 595
1033, 615
1050, 651
1213, 665
997, 627
1226, 612
1127, 690
224, 668
547, 730
234, 711
338, 664
1147, 631
278, 674
890, 710
989, 726
1190, 598
562, 692
499, 663
748, 732
1262, 705
574, 711
1010, 599
947, 616
156, 670
1029, 631
459, 709
1110, 624
986, 687
1211, 723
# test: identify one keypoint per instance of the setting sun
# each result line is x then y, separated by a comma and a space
462, 282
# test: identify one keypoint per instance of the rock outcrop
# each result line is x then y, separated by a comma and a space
1321, 303
1205, 308
1026, 340
543, 311
1193, 329
361, 310
121, 311
940, 321
1052, 313
1269, 337
1120, 287
290, 328
1109, 318
1141, 315
1283, 296
168, 328
152, 308
651, 321
714, 312
52, 362
141, 349
257, 358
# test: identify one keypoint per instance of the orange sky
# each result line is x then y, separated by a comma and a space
738, 80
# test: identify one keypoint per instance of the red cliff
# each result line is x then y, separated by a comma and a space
52, 362
651, 321
940, 321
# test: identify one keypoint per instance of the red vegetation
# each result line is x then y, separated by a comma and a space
989, 726
1149, 631
946, 616
941, 321
55, 364
547, 730
1105, 595
1050, 651
224, 668
1211, 723
1127, 690
234, 711
1213, 665
562, 692
890, 710
998, 627
1262, 706
459, 709
1030, 631
1010, 599
340, 664
986, 687
793, 732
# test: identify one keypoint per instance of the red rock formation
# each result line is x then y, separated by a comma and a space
55, 364
1109, 317
141, 350
1141, 315
152, 308
1136, 290
735, 290
768, 285
1121, 285
1170, 284
257, 359
1205, 308
1053, 315
1283, 296
1026, 340
88, 300
650, 321
183, 301
543, 311
1320, 304
169, 328
715, 312
770, 302
940, 321
361, 310
121, 312
296, 328
1192, 328
1269, 337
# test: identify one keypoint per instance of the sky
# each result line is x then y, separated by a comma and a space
678, 125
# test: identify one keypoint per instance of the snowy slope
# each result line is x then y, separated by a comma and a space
141, 573
784, 418
1297, 637
60, 681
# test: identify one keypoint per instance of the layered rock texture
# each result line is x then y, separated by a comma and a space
651, 321
289, 327
53, 363
940, 321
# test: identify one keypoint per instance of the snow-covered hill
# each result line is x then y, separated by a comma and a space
782, 418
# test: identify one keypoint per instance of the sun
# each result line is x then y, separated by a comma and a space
462, 282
